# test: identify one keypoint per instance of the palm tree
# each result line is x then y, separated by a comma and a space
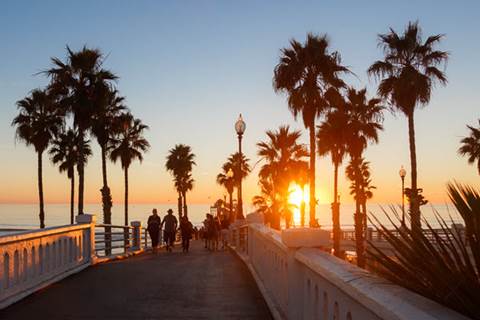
227, 181
407, 75
83, 88
471, 146
186, 185
64, 153
332, 139
37, 123
309, 73
239, 164
105, 124
180, 162
282, 155
365, 121
127, 146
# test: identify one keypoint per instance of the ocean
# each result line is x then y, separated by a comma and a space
26, 215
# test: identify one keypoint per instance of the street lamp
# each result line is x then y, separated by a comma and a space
240, 127
402, 174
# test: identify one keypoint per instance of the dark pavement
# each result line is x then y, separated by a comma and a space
197, 285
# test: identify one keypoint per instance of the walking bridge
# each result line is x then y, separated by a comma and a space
59, 273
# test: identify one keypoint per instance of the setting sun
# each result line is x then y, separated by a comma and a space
296, 196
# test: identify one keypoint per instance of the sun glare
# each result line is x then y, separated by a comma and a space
296, 196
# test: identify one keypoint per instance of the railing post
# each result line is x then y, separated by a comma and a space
298, 296
90, 236
136, 235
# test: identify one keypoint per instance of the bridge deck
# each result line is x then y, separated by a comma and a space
197, 285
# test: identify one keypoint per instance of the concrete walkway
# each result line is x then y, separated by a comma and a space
197, 285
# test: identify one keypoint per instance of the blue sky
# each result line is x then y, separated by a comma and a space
188, 68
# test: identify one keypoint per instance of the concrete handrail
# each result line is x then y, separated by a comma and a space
300, 281
31, 260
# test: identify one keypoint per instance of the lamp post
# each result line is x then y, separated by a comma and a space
402, 174
240, 127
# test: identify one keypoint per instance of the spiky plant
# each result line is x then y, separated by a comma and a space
443, 266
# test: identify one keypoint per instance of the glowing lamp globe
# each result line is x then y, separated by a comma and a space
240, 125
402, 172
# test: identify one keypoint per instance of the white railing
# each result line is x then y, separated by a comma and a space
299, 280
31, 260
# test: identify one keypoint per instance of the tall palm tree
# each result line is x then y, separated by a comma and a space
282, 154
309, 73
37, 123
64, 153
186, 185
239, 164
407, 75
365, 121
228, 183
332, 138
106, 120
83, 87
180, 162
471, 146
128, 146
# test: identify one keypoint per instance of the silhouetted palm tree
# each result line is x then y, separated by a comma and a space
37, 123
282, 155
471, 146
309, 73
239, 164
408, 73
83, 88
365, 121
228, 183
333, 139
64, 153
186, 185
105, 124
180, 162
127, 146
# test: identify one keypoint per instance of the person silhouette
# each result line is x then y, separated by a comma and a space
169, 225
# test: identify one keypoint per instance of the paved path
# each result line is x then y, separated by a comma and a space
197, 285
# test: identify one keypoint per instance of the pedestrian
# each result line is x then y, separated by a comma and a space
186, 230
169, 225
153, 227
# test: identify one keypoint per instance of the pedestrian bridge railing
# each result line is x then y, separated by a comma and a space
301, 280
31, 260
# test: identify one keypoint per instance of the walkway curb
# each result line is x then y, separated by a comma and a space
274, 310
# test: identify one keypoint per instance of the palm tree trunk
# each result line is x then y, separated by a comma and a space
230, 198
336, 213
414, 204
179, 204
185, 210
126, 195
72, 196
302, 207
106, 203
358, 219
80, 167
41, 214
126, 232
313, 201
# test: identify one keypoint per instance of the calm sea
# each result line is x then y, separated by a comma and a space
26, 215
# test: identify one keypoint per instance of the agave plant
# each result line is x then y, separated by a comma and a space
442, 264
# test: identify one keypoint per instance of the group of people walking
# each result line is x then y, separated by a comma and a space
170, 226
214, 231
